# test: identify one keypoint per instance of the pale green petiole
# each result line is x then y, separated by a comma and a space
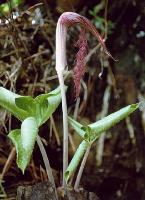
76, 159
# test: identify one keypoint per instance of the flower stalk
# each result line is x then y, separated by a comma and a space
66, 20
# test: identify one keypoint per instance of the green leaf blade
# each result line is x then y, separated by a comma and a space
111, 120
46, 104
26, 103
15, 136
24, 141
7, 101
29, 130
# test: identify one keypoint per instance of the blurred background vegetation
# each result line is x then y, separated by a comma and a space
27, 66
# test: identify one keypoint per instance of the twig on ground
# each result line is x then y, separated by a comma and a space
55, 130
8, 162
130, 130
100, 143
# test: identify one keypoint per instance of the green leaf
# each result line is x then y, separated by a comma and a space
26, 103
76, 159
109, 121
77, 126
7, 101
24, 141
15, 3
46, 104
93, 131
42, 106
6, 7
32, 113
29, 130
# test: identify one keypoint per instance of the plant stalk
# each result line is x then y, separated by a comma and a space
76, 159
79, 175
47, 164
65, 125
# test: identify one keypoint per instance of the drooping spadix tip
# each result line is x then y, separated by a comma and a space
70, 18
66, 20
